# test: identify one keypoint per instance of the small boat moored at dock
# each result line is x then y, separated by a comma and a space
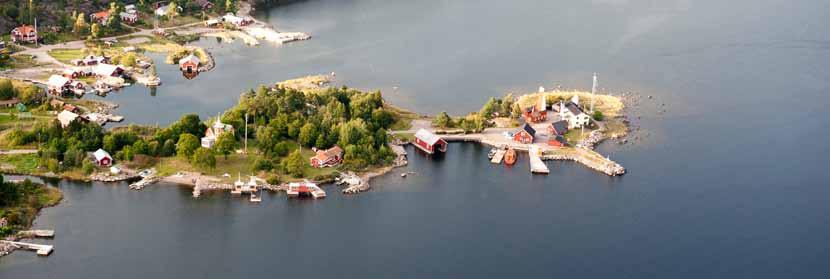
510, 156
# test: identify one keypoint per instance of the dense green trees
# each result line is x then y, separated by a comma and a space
282, 117
203, 158
6, 89
225, 144
187, 145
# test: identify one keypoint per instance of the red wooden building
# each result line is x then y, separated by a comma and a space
429, 142
557, 141
538, 112
525, 134
102, 158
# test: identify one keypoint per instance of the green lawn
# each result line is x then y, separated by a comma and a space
66, 55
24, 163
21, 61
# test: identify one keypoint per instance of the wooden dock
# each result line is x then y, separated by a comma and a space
295, 189
536, 163
41, 249
498, 157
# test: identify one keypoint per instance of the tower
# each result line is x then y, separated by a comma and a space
593, 92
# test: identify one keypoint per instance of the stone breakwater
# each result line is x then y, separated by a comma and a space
606, 166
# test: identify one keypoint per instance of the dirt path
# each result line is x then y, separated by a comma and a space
18, 151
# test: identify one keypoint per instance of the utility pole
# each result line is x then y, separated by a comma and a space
36, 34
246, 133
593, 92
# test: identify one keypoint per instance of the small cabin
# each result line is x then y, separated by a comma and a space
525, 134
100, 17
102, 158
537, 112
327, 158
58, 84
429, 142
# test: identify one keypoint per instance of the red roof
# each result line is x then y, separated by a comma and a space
101, 14
25, 29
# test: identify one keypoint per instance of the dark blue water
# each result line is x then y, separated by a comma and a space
729, 182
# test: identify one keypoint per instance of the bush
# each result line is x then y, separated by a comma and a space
88, 167
273, 179
598, 116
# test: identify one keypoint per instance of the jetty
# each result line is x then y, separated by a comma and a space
295, 189
498, 157
40, 249
536, 163
36, 233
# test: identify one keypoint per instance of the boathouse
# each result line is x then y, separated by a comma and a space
25, 34
429, 142
327, 158
189, 64
58, 84
525, 134
557, 141
102, 158
107, 70
558, 128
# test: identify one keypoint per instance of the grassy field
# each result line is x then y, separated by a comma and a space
610, 106
65, 55
22, 163
21, 61
403, 118
178, 21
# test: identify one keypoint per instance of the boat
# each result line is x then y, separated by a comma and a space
153, 81
491, 153
510, 156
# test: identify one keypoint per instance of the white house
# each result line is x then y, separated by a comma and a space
57, 84
214, 131
573, 114
107, 70
162, 11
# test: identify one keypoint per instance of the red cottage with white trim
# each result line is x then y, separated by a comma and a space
525, 134
429, 142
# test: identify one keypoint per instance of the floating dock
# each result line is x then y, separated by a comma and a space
497, 158
536, 163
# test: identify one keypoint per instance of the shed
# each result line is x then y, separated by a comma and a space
429, 142
102, 157
189, 64
558, 128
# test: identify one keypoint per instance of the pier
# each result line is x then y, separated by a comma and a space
295, 189
498, 157
40, 249
536, 163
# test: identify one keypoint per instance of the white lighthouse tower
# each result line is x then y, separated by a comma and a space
593, 92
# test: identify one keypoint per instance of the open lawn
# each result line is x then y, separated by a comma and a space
22, 163
21, 61
65, 55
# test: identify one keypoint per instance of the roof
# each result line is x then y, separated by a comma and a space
560, 139
560, 126
575, 110
12, 101
203, 2
127, 15
526, 127
334, 151
57, 81
105, 69
190, 58
101, 14
25, 29
427, 136
101, 154
66, 117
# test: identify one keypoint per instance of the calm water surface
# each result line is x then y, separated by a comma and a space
727, 183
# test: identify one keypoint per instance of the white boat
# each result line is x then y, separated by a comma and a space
256, 196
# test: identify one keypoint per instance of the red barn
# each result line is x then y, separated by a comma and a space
327, 158
429, 142
525, 134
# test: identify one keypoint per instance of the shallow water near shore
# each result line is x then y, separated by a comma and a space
727, 182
